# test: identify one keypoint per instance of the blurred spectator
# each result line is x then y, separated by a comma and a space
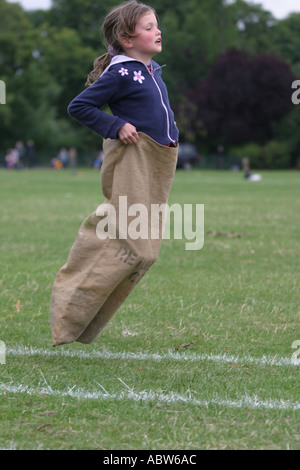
30, 154
99, 160
21, 152
9, 158
246, 169
56, 163
72, 157
220, 157
63, 156
12, 158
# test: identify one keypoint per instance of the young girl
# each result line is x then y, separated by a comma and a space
140, 150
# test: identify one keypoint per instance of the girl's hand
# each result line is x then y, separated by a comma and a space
128, 134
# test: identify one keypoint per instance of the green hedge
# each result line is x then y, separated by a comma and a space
272, 156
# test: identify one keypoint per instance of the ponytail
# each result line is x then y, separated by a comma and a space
100, 65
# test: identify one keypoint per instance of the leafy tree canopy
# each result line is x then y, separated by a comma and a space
45, 57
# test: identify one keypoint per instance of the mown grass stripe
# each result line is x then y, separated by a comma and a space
143, 356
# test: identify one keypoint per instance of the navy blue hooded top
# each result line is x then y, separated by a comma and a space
134, 94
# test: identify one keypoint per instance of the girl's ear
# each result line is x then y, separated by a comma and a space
126, 42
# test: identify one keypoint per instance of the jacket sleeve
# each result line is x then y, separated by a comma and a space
86, 107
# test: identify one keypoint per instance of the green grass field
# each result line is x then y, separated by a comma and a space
200, 354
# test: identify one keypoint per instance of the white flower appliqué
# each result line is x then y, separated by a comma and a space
138, 76
123, 71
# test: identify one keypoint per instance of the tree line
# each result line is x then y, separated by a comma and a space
229, 71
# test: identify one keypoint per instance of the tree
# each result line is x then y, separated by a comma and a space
68, 62
285, 41
241, 98
41, 68
45, 57
83, 16
252, 26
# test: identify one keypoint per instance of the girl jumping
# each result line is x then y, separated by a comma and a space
140, 148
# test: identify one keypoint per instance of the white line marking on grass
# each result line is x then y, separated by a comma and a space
152, 396
140, 356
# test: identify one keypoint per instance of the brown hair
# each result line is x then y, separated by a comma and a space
119, 22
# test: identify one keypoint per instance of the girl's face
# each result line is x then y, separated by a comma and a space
148, 39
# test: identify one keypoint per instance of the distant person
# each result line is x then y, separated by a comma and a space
246, 167
247, 173
72, 157
21, 153
98, 160
30, 153
9, 159
56, 163
221, 157
63, 156
12, 158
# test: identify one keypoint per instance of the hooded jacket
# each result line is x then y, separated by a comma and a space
134, 94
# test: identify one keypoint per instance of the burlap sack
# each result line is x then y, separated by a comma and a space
101, 273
